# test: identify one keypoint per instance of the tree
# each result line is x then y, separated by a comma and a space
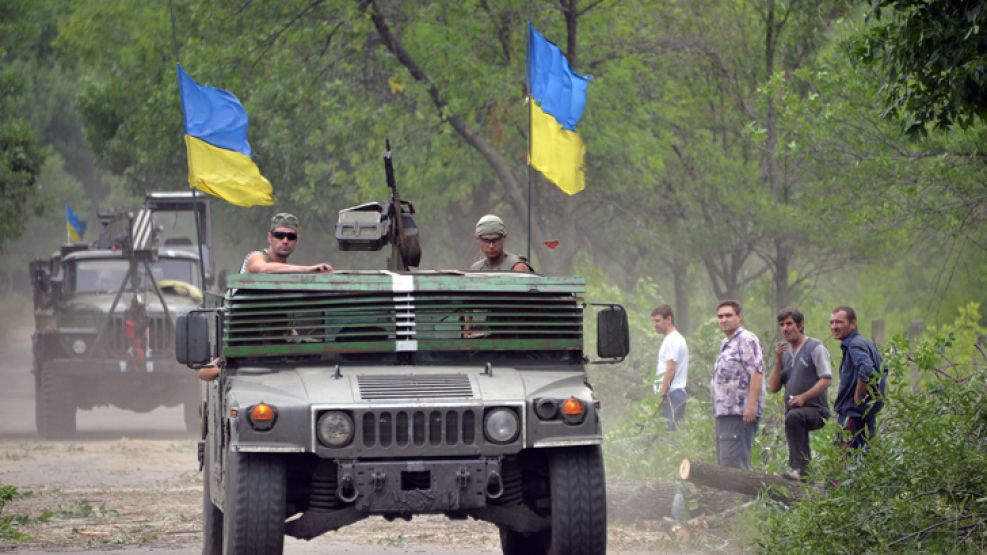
932, 55
21, 153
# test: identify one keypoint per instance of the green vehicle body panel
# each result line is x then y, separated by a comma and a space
278, 315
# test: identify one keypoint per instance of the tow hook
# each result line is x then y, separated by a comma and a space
495, 486
377, 479
463, 478
346, 492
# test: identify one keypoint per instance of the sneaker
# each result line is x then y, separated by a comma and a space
792, 474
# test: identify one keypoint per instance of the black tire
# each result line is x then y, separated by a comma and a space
193, 423
54, 406
39, 409
212, 517
253, 520
514, 543
579, 501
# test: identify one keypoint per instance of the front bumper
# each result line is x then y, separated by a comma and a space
430, 486
155, 369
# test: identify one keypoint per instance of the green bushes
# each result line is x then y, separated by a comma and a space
921, 486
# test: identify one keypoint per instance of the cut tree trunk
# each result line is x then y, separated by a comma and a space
741, 481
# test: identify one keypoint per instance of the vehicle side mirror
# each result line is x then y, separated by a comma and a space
612, 337
192, 339
40, 276
56, 289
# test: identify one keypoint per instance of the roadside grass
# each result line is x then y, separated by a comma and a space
11, 526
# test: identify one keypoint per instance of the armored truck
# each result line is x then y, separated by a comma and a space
352, 394
105, 312
333, 397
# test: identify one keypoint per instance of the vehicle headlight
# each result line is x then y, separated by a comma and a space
79, 347
501, 425
335, 428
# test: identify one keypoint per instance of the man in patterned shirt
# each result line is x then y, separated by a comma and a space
738, 388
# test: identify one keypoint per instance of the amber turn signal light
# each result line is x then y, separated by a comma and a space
572, 407
262, 416
573, 411
262, 413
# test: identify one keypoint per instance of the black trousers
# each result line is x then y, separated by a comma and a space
799, 421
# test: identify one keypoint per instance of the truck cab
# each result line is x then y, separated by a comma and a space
105, 313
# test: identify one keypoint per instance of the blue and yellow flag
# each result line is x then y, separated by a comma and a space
74, 227
558, 98
216, 142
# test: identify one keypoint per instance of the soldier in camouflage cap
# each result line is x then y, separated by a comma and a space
490, 236
282, 238
284, 219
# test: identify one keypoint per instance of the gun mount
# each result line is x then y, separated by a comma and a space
370, 226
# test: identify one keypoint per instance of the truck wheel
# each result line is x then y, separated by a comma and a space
192, 423
54, 407
212, 517
514, 543
579, 501
253, 521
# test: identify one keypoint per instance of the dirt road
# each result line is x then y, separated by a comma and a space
129, 482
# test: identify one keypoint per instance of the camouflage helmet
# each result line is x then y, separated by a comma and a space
284, 219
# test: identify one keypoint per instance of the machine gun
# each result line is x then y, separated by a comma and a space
370, 226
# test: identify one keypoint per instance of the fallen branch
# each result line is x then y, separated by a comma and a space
741, 481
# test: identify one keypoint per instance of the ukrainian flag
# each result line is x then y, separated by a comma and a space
216, 142
558, 98
74, 227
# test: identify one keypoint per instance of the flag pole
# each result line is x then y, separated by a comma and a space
530, 176
530, 100
195, 195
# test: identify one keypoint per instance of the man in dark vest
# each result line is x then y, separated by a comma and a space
802, 366
490, 236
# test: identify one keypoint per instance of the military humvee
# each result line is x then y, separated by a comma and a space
105, 312
399, 393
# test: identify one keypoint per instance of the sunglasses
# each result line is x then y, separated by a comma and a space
279, 235
493, 241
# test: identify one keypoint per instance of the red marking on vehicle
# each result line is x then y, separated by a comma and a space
551, 244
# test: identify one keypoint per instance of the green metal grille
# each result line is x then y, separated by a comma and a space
361, 313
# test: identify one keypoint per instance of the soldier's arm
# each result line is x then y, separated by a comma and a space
256, 264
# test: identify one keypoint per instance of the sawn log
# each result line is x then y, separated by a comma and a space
741, 481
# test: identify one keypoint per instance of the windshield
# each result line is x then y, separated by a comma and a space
107, 276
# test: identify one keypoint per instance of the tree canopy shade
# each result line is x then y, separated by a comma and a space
21, 153
734, 149
933, 56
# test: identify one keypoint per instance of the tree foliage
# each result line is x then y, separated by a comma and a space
733, 148
21, 152
932, 55
922, 485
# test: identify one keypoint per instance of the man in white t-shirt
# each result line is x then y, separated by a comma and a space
673, 367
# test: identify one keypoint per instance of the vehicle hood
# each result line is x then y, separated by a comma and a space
101, 303
320, 386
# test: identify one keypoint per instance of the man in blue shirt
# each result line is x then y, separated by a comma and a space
862, 379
